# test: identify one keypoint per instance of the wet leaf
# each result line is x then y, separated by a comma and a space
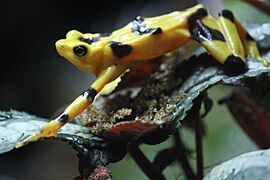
130, 130
203, 77
249, 166
92, 150
260, 32
15, 126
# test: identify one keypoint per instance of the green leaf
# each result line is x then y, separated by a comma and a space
15, 126
92, 150
203, 77
249, 166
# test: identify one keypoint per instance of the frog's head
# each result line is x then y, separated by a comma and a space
80, 53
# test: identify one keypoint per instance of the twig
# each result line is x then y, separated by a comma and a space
145, 165
259, 5
199, 148
182, 157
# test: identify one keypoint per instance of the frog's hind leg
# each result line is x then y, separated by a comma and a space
250, 46
79, 104
228, 27
220, 38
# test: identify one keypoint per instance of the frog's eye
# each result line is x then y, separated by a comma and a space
80, 50
73, 34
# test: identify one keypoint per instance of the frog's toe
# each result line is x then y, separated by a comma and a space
27, 140
265, 62
48, 130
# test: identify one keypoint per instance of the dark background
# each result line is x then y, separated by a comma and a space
35, 79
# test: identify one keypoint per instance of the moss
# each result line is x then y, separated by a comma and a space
153, 103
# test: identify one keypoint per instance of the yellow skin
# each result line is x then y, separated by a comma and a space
108, 56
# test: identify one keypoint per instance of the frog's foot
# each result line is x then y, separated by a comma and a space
263, 61
48, 130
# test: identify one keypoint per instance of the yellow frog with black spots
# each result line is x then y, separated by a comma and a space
109, 55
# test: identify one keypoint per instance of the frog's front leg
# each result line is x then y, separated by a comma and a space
78, 105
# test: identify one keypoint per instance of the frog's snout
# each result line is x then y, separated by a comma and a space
60, 47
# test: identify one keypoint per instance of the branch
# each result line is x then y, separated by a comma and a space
199, 148
259, 5
145, 165
182, 156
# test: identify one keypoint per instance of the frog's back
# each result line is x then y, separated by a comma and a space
152, 37
145, 26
